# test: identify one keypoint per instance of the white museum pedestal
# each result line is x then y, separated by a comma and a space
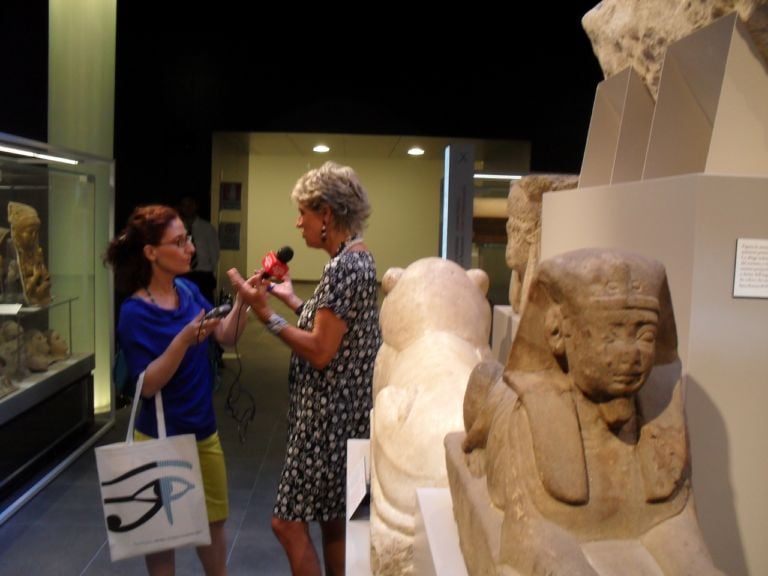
436, 550
358, 549
436, 543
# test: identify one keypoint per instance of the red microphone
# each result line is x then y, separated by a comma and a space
275, 266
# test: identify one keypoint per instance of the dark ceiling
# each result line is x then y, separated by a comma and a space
512, 73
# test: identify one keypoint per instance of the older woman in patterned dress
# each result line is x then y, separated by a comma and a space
334, 347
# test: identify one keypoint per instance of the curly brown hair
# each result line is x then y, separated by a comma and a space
125, 252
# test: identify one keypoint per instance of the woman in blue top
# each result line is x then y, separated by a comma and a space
162, 333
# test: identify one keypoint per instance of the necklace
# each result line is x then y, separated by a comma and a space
348, 243
152, 298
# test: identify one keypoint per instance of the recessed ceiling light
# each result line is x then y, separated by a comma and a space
321, 149
415, 151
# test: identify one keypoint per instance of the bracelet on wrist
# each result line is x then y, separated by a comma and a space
299, 308
275, 324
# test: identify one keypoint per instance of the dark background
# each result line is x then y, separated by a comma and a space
509, 73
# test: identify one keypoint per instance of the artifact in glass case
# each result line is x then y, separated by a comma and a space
11, 356
37, 350
10, 286
59, 349
35, 279
6, 386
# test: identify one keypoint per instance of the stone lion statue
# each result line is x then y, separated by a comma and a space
435, 324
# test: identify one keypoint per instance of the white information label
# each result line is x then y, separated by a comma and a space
750, 277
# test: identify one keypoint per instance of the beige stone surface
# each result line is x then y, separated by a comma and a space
435, 321
582, 446
524, 228
478, 520
628, 33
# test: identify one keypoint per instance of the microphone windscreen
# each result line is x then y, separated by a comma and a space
285, 254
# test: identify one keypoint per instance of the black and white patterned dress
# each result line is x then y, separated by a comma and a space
327, 407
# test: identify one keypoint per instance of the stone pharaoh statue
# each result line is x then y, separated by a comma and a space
581, 450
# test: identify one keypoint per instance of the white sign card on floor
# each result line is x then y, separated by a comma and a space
358, 477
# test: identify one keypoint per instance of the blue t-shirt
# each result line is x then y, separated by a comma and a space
144, 331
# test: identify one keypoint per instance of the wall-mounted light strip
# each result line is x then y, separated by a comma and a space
506, 177
30, 154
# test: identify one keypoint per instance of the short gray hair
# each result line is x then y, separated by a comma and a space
337, 187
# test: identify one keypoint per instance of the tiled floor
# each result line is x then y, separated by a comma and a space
61, 531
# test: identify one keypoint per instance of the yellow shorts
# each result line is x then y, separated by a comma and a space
214, 472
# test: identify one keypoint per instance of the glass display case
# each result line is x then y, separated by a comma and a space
48, 320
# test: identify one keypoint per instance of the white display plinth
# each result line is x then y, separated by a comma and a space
505, 322
357, 556
358, 548
436, 550
436, 543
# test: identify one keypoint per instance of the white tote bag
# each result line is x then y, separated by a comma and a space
152, 491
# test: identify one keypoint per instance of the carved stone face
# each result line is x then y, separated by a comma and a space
36, 342
58, 345
10, 330
27, 232
610, 352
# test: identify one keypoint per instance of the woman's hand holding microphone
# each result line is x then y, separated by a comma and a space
253, 291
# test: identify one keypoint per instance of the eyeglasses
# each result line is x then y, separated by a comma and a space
180, 242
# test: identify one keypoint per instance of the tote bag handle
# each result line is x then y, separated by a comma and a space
159, 413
